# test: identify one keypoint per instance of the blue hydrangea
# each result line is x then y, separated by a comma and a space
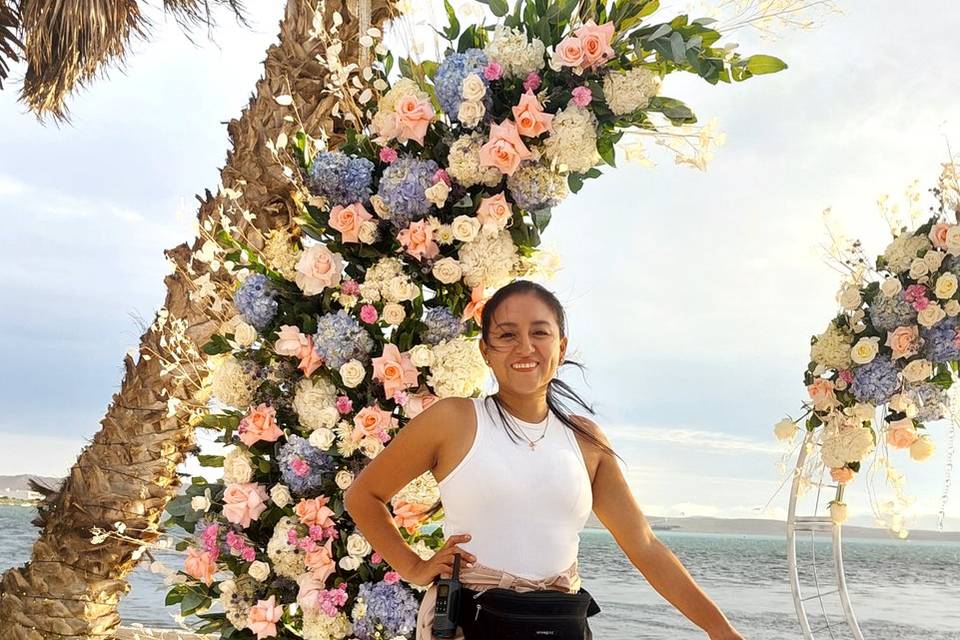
302, 465
875, 381
340, 338
938, 343
952, 264
255, 300
402, 188
391, 609
340, 178
930, 400
534, 186
448, 80
890, 313
442, 324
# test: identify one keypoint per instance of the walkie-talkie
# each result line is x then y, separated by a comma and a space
448, 603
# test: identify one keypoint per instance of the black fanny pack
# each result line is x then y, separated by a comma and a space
505, 614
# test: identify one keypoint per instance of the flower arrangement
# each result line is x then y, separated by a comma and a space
369, 312
881, 369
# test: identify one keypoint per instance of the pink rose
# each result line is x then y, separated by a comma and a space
200, 565
904, 341
371, 421
368, 313
344, 404
582, 96
418, 241
415, 116
263, 618
312, 592
418, 402
474, 308
530, 117
317, 269
310, 360
494, 213
347, 220
570, 52
244, 502
289, 341
388, 155
938, 235
314, 511
821, 392
595, 41
320, 562
532, 81
259, 424
394, 370
409, 515
350, 287
504, 150
441, 175
841, 475
375, 558
391, 577
493, 71
901, 433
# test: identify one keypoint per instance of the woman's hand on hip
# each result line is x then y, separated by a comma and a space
441, 563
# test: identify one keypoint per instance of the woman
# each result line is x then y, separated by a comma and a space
515, 499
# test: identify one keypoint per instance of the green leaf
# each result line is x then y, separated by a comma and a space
575, 182
453, 30
541, 218
649, 7
210, 461
498, 7
606, 150
761, 64
217, 344
677, 111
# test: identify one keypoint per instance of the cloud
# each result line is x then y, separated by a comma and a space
690, 438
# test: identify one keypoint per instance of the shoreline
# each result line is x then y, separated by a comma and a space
155, 633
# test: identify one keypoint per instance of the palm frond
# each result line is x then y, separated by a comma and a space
192, 12
10, 45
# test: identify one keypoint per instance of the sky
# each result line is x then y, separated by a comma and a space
691, 296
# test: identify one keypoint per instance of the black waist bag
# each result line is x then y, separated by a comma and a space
505, 614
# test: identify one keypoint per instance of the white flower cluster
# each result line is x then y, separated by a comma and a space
627, 91
573, 143
846, 445
515, 54
370, 446
281, 253
236, 467
315, 404
489, 261
230, 384
237, 597
472, 109
463, 162
386, 281
421, 490
542, 264
319, 626
831, 349
901, 253
458, 368
286, 561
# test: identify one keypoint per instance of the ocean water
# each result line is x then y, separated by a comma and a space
900, 590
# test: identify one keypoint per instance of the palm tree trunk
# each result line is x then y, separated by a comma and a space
71, 588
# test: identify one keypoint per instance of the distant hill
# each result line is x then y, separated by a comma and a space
16, 485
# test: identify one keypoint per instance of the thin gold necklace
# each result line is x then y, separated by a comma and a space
533, 443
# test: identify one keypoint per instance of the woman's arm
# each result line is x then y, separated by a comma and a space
617, 509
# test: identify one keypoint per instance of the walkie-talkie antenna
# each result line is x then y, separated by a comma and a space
456, 566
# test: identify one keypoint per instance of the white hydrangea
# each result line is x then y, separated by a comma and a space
464, 162
901, 253
317, 625
422, 490
458, 369
831, 348
572, 145
627, 91
282, 554
386, 281
237, 597
230, 384
313, 401
515, 54
281, 253
489, 260
846, 445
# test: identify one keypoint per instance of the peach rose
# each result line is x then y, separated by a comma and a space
243, 503
200, 565
289, 341
259, 424
569, 52
312, 592
317, 269
347, 220
595, 42
474, 308
371, 421
530, 117
904, 341
409, 515
263, 618
418, 241
504, 149
414, 117
314, 511
494, 213
310, 360
938, 235
841, 475
901, 433
821, 392
418, 403
394, 370
320, 562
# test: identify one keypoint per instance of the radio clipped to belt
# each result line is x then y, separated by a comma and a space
446, 612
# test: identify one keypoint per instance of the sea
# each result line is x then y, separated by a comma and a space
900, 590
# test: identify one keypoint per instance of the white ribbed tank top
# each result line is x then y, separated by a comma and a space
524, 508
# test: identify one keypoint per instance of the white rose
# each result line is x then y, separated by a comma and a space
399, 289
380, 207
259, 571
917, 370
931, 315
357, 545
393, 313
421, 355
934, 259
863, 411
473, 87
838, 512
437, 194
786, 429
367, 232
865, 350
918, 268
891, 287
903, 404
349, 563
447, 270
922, 448
236, 467
352, 373
201, 503
371, 447
952, 308
465, 228
280, 495
244, 334
850, 298
953, 240
470, 113
344, 479
945, 286
323, 439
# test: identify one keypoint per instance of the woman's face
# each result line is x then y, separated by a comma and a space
525, 347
